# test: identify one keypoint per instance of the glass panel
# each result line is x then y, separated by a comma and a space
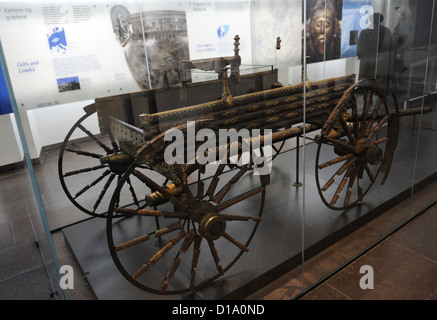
421, 90
31, 267
380, 148
330, 52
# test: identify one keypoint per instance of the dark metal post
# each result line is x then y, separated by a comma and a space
297, 184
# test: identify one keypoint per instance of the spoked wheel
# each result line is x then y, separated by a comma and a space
89, 171
196, 236
356, 144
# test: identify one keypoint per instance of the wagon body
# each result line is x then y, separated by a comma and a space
127, 107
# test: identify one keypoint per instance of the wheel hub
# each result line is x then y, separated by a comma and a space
117, 162
374, 155
212, 226
365, 150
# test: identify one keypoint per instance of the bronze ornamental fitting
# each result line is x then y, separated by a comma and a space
120, 157
157, 198
212, 226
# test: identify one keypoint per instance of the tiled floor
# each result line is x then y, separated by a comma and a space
404, 264
27, 268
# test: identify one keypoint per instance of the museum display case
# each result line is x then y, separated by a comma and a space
201, 149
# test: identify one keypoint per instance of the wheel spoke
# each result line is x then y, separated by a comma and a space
374, 115
168, 229
355, 116
170, 274
71, 173
103, 146
191, 236
159, 254
87, 187
103, 192
347, 198
117, 204
233, 217
215, 256
132, 191
369, 173
189, 239
213, 185
347, 130
346, 165
336, 160
221, 194
235, 242
352, 178
200, 184
195, 260
200, 190
365, 112
237, 199
328, 184
360, 191
132, 242
339, 189
385, 139
85, 153
378, 126
360, 171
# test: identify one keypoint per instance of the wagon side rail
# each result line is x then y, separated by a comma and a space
274, 109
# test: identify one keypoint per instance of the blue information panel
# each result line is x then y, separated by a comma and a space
5, 102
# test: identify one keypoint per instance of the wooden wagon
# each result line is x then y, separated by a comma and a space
196, 218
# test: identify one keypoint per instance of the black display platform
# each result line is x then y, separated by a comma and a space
277, 243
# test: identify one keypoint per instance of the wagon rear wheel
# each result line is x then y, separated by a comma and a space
183, 245
90, 170
356, 144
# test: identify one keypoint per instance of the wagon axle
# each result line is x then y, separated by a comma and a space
364, 150
118, 162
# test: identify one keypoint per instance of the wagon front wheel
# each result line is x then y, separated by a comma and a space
184, 244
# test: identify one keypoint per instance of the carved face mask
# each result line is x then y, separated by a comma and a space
322, 29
